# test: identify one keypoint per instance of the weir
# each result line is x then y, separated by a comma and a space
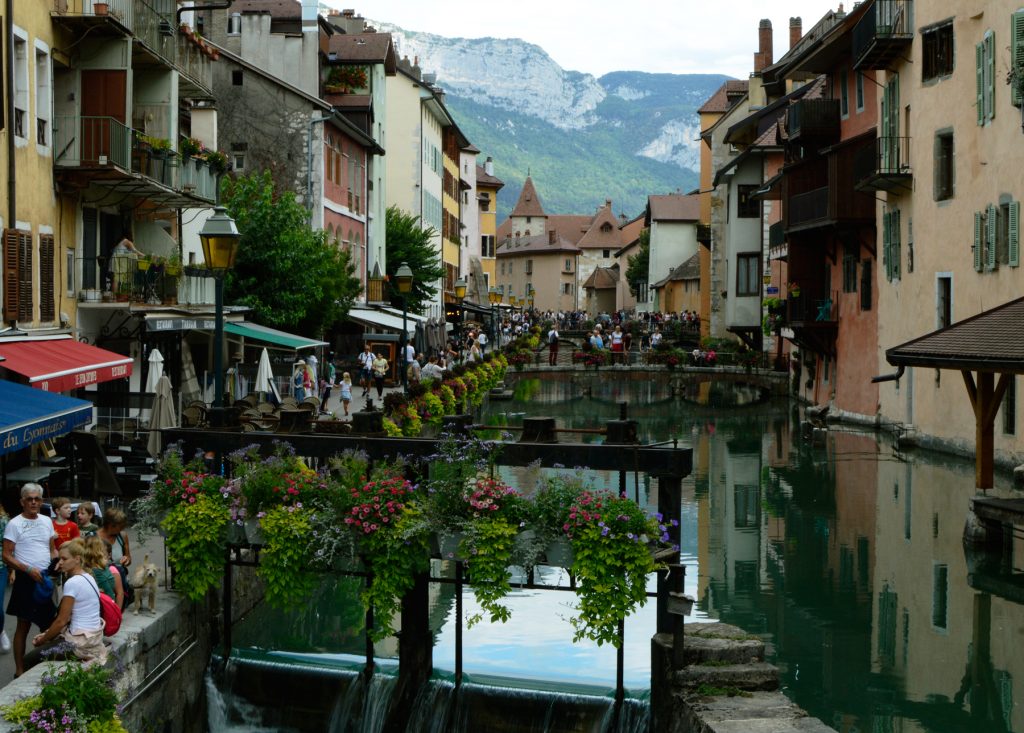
667, 463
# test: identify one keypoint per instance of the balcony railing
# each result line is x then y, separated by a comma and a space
197, 66
808, 207
123, 279
197, 177
884, 166
776, 235
123, 11
814, 306
155, 27
814, 119
884, 34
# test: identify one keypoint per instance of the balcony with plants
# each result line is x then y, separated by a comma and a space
86, 14
131, 277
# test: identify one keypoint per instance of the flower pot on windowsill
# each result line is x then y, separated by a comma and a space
100, 8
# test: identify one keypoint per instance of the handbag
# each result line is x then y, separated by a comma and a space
109, 612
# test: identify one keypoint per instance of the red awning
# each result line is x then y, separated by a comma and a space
61, 364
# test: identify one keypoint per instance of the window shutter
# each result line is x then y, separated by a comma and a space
47, 303
25, 298
1017, 53
886, 238
991, 218
990, 75
1013, 234
894, 245
865, 284
10, 275
979, 245
979, 57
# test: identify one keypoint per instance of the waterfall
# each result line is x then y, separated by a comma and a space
363, 708
227, 713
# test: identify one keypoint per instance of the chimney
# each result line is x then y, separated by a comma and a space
552, 236
348, 13
796, 32
310, 9
763, 57
489, 166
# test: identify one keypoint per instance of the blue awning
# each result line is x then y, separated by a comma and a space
30, 415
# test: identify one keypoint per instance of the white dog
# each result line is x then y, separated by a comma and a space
146, 580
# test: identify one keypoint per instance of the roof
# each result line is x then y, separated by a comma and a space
483, 178
688, 270
603, 232
529, 202
987, 342
631, 234
364, 48
673, 207
602, 278
276, 8
540, 244
29, 416
725, 97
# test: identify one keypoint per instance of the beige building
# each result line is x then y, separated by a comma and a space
543, 264
949, 175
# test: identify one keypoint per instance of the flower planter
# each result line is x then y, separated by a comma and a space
560, 554
448, 545
253, 532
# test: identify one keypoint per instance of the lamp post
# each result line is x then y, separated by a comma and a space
460, 294
494, 297
219, 237
404, 278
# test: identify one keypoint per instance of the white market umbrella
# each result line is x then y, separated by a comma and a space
265, 379
156, 370
163, 415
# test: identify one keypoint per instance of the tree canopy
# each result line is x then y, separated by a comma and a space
291, 276
636, 271
410, 243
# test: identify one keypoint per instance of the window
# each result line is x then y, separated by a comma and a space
487, 245
747, 501
747, 207
860, 92
44, 98
20, 87
985, 70
944, 300
235, 24
1010, 407
529, 267
236, 77
940, 596
47, 270
1003, 234
238, 162
568, 265
566, 288
851, 259
891, 244
866, 270
485, 202
18, 295
748, 274
69, 272
943, 178
844, 94
606, 253
937, 51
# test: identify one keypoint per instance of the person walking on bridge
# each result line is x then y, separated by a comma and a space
553, 345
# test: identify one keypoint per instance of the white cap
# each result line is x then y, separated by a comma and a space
311, 359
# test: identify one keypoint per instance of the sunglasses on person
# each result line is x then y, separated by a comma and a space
33, 498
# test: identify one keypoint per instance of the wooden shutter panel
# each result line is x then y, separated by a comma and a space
10, 275
25, 298
894, 245
979, 58
990, 75
979, 241
1017, 54
885, 245
991, 218
47, 303
1013, 233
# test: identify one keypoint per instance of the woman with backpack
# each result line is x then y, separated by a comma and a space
78, 617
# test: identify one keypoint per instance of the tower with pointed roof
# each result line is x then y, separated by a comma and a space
528, 218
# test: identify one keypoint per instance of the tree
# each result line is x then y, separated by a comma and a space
411, 244
636, 271
288, 273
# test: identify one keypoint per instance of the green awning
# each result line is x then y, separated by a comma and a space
271, 335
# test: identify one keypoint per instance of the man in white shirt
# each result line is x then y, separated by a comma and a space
28, 549
366, 369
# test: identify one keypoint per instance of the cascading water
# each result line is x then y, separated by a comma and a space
363, 707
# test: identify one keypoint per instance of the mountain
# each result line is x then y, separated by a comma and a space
583, 139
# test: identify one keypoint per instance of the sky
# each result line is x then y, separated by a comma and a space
598, 36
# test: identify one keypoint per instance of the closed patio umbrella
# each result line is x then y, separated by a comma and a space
163, 415
265, 383
156, 369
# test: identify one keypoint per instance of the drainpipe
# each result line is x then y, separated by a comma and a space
12, 199
309, 160
212, 6
895, 377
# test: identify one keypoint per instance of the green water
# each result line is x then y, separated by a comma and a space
845, 557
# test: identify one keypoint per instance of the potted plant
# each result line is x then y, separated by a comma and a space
196, 537
217, 161
611, 538
172, 266
550, 518
189, 147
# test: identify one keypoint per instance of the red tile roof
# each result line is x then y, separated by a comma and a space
364, 48
484, 179
603, 232
674, 207
726, 96
529, 202
540, 244
602, 278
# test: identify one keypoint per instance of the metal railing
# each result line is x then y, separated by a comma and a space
195, 64
889, 156
82, 141
196, 176
817, 118
887, 21
155, 27
808, 207
123, 11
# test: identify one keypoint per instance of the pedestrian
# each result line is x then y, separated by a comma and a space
380, 370
65, 529
553, 345
5, 641
299, 380
413, 370
346, 391
78, 621
366, 369
329, 378
617, 345
28, 550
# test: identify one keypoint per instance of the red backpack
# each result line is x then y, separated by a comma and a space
110, 613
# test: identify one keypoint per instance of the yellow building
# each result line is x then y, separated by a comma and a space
450, 224
487, 186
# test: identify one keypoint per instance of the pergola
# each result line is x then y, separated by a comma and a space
981, 348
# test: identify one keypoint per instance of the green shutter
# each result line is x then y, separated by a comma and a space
1013, 234
895, 253
991, 219
886, 241
990, 75
979, 242
1017, 52
979, 57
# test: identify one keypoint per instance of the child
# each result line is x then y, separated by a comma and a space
86, 513
64, 529
346, 390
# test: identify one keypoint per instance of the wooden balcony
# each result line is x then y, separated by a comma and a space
885, 166
821, 193
814, 121
812, 319
704, 235
884, 34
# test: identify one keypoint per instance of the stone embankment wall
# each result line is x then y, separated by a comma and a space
725, 686
159, 659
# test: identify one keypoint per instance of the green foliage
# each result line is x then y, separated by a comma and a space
411, 244
490, 543
636, 272
289, 274
196, 536
285, 559
551, 504
18, 711
85, 689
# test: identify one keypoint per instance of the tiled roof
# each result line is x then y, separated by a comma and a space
689, 270
529, 202
725, 97
990, 341
484, 179
364, 48
674, 207
603, 232
539, 244
602, 278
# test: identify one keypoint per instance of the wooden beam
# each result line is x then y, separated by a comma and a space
972, 390
984, 440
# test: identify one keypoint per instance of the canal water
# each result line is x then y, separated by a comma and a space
844, 555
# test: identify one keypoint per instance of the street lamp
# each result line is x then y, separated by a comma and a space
460, 294
494, 297
403, 276
219, 237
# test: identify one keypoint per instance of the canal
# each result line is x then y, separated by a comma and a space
845, 556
